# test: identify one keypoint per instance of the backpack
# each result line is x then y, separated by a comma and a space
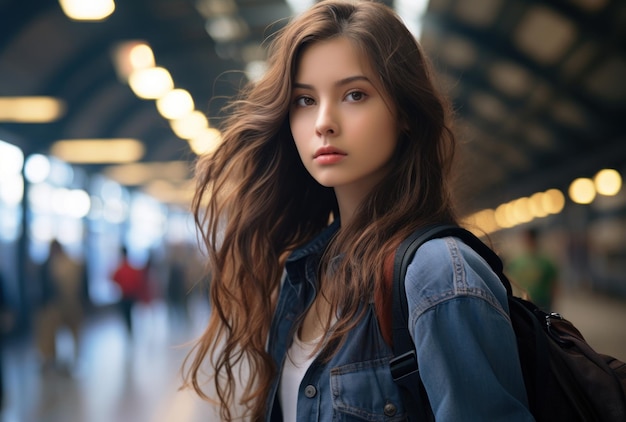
565, 379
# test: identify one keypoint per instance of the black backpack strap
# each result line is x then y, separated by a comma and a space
404, 368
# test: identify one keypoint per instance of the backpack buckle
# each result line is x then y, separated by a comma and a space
404, 365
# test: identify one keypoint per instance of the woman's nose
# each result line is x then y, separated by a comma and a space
327, 121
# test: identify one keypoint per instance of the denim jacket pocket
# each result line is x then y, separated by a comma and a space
365, 391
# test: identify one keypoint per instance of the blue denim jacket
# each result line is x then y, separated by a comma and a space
459, 319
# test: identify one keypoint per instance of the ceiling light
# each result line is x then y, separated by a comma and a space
134, 174
131, 174
521, 208
459, 52
92, 10
175, 104
151, 83
582, 191
98, 151
478, 13
510, 78
545, 34
503, 216
226, 28
190, 125
488, 106
608, 182
483, 221
31, 109
130, 56
536, 205
206, 142
553, 201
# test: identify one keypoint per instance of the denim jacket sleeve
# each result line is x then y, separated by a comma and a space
466, 347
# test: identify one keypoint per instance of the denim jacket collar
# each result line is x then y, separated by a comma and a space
316, 245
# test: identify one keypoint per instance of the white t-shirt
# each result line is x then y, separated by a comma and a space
299, 358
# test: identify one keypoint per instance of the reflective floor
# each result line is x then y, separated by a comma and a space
118, 377
135, 378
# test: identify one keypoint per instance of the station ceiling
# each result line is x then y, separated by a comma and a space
539, 87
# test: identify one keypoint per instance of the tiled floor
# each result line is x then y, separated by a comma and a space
121, 379
117, 378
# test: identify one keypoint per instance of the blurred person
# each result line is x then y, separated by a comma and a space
61, 305
150, 289
132, 284
338, 153
534, 271
178, 289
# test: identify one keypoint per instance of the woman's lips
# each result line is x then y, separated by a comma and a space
328, 155
329, 158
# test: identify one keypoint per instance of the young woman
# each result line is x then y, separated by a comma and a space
328, 162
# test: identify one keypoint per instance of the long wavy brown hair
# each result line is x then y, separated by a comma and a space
255, 201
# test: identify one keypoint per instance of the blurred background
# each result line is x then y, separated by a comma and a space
105, 106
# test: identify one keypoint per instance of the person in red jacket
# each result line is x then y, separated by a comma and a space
130, 281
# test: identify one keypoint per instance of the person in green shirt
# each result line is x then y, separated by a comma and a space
534, 272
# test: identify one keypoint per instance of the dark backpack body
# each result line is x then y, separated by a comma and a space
565, 379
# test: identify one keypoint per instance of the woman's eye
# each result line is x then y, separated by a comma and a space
355, 96
304, 101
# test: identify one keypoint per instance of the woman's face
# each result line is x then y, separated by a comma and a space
341, 121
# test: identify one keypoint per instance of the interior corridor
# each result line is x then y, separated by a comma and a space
135, 378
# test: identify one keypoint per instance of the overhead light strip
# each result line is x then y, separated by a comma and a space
37, 109
98, 151
91, 10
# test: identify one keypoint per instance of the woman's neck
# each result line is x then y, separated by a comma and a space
348, 201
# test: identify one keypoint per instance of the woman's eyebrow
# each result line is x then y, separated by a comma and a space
340, 82
351, 79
